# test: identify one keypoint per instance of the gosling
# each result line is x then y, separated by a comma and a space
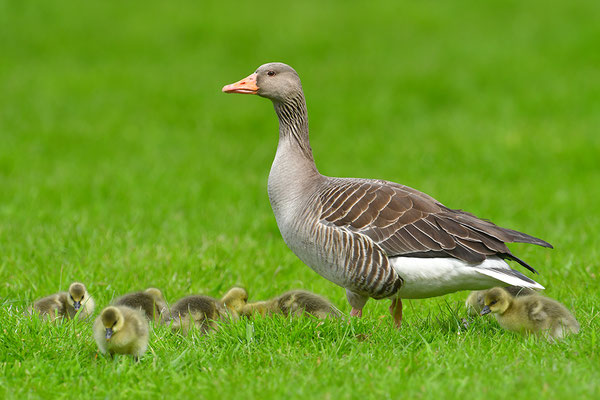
76, 302
474, 302
294, 302
151, 302
234, 301
201, 312
532, 314
121, 330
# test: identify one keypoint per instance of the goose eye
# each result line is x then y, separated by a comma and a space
71, 297
493, 302
271, 73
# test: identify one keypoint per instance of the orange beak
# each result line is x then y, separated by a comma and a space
246, 85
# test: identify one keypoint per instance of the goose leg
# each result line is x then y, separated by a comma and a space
356, 312
396, 311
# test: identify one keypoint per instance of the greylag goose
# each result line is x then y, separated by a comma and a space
374, 238
533, 314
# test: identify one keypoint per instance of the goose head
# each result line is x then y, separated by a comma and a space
155, 293
276, 81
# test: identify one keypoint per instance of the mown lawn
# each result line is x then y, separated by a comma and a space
122, 165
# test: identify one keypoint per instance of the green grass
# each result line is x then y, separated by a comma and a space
123, 166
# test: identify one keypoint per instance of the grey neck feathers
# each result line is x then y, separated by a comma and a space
293, 123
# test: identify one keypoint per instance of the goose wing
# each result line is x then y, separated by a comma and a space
406, 222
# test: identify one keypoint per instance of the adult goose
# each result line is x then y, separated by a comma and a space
375, 238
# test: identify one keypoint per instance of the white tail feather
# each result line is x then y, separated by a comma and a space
509, 279
430, 277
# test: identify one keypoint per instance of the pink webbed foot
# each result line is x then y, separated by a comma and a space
356, 312
357, 302
396, 311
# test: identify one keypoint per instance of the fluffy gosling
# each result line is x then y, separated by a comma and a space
294, 302
474, 302
532, 314
121, 330
234, 300
151, 301
66, 304
201, 312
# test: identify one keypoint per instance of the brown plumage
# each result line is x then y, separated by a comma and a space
151, 302
406, 222
475, 300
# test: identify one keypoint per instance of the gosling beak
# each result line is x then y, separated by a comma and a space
77, 305
245, 86
109, 333
485, 310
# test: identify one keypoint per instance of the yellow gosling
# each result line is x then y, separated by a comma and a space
294, 302
76, 301
234, 300
121, 330
534, 314
474, 302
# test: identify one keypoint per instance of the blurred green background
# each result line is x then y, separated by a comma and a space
122, 164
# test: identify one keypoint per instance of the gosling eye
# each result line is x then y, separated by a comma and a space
71, 297
493, 302
114, 324
271, 73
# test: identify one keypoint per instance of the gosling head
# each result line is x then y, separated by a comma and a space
155, 293
77, 294
236, 298
112, 320
496, 300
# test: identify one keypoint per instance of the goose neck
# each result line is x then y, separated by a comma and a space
293, 173
293, 125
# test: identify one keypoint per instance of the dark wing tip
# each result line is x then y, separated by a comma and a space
510, 256
525, 238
